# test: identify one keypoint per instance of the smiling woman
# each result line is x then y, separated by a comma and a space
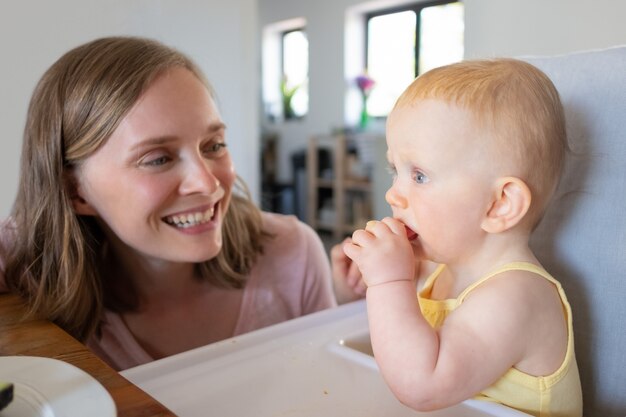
130, 228
185, 173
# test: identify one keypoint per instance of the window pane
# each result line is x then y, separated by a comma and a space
296, 70
441, 36
390, 58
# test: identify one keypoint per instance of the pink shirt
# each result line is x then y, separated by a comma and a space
292, 278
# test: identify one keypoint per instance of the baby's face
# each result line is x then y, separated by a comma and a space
443, 177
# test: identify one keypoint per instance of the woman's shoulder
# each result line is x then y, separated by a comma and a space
290, 238
286, 227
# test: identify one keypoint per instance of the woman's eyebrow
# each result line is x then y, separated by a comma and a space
162, 140
217, 126
150, 142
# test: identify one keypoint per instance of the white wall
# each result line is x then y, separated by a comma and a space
540, 27
492, 28
220, 36
224, 38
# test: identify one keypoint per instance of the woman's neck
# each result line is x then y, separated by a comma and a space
153, 280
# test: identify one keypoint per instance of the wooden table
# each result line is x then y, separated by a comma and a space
36, 337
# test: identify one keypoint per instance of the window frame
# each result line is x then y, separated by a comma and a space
416, 8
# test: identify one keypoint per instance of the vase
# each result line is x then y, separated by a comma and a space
365, 117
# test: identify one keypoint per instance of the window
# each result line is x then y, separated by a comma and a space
404, 42
295, 70
285, 70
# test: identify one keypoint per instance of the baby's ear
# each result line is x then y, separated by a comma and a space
80, 205
511, 201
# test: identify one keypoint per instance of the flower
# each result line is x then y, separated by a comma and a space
365, 84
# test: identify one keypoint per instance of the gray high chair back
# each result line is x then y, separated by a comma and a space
582, 239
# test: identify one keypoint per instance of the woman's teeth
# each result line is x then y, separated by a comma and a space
190, 219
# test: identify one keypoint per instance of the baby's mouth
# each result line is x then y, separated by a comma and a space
186, 220
410, 234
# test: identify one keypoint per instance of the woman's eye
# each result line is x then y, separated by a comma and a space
155, 162
420, 177
216, 148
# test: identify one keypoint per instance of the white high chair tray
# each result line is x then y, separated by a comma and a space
317, 365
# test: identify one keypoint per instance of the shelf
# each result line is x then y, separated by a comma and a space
320, 225
325, 183
347, 198
358, 185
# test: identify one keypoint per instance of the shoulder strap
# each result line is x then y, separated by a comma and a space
430, 280
512, 266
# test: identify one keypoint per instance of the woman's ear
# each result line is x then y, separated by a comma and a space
510, 204
80, 205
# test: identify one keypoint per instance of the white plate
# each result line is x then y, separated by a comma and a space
45, 387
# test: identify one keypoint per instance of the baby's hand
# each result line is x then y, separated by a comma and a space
382, 252
347, 280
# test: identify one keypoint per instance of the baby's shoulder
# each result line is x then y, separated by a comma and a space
518, 292
521, 282
530, 309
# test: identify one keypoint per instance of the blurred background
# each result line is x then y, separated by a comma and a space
303, 86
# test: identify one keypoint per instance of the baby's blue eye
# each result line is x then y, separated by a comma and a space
420, 177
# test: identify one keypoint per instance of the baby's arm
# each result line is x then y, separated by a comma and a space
426, 368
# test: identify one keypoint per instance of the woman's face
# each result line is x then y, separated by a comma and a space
161, 184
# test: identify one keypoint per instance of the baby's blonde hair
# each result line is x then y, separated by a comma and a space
520, 108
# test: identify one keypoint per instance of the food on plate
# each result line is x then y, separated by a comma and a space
6, 394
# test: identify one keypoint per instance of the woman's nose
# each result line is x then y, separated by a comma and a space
199, 178
395, 198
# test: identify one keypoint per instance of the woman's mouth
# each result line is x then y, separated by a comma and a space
191, 219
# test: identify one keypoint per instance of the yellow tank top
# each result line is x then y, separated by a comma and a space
555, 395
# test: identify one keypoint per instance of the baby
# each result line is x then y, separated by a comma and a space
476, 149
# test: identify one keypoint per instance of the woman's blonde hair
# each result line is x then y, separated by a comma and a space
520, 109
58, 260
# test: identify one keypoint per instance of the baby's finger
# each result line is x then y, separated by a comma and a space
395, 225
351, 249
362, 237
354, 275
370, 225
360, 288
336, 253
376, 228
